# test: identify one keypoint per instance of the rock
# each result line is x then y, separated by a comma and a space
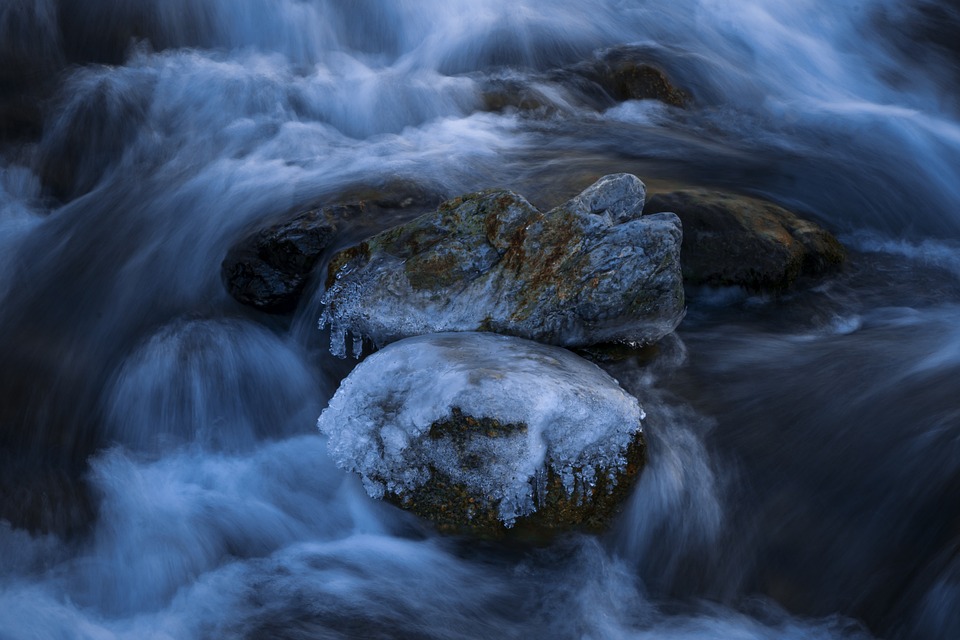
500, 94
617, 75
483, 434
269, 268
591, 270
623, 73
730, 239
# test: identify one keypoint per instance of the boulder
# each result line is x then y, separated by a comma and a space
729, 239
591, 270
488, 435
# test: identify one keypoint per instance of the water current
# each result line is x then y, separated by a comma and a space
161, 474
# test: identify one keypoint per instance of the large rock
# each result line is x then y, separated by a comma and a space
730, 239
589, 271
481, 433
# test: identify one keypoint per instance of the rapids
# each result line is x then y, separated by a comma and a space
161, 475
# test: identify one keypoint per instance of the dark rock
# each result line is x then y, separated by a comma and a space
730, 239
591, 270
617, 75
500, 94
488, 435
624, 73
269, 268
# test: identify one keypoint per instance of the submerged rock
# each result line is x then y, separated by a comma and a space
591, 270
481, 433
614, 76
624, 73
730, 239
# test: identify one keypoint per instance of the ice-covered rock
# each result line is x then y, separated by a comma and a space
479, 432
591, 270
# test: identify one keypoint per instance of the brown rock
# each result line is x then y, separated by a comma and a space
625, 73
620, 74
730, 239
455, 509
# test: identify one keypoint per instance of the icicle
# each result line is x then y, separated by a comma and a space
357, 346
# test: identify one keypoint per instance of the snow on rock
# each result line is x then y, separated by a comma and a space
592, 270
478, 430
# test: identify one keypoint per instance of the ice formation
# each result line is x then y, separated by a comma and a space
567, 415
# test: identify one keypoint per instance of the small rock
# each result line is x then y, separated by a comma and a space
730, 239
482, 433
591, 270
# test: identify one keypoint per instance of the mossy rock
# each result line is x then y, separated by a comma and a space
454, 509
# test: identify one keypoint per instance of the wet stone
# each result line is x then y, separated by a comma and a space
269, 268
729, 239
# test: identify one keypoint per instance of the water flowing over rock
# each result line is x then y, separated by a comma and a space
623, 73
616, 75
591, 270
730, 239
480, 432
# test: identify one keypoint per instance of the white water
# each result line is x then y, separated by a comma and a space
803, 452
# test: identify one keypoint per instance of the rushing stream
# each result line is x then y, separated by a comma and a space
161, 474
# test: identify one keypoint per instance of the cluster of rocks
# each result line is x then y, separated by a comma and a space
505, 431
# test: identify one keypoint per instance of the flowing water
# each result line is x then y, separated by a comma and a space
161, 471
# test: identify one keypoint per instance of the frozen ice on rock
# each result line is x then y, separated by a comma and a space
483, 429
590, 271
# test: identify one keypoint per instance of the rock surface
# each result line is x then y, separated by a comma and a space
591, 270
481, 433
624, 73
730, 239
617, 75
269, 268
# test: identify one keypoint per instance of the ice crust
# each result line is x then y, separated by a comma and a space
578, 419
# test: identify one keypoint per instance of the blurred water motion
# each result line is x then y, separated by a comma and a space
160, 471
